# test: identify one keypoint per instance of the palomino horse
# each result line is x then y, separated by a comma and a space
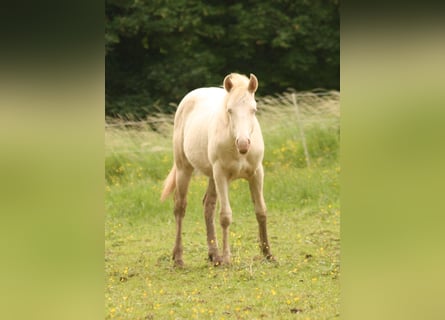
216, 132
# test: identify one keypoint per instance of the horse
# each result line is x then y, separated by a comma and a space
217, 133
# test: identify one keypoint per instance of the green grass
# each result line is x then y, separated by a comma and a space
303, 222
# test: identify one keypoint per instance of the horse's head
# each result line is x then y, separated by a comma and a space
241, 108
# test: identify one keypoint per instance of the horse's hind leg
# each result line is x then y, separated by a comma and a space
256, 191
182, 182
209, 202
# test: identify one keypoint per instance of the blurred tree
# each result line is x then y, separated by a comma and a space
158, 50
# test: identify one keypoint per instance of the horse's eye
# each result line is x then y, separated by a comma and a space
229, 110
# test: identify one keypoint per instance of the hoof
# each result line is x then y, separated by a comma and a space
217, 261
265, 258
179, 264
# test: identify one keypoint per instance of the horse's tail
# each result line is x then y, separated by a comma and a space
169, 184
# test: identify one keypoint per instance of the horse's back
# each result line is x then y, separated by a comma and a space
202, 98
192, 120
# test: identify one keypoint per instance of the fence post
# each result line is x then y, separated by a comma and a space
300, 125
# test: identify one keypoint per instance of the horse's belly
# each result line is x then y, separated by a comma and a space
199, 161
195, 149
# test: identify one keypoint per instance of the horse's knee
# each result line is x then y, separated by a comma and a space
261, 216
179, 209
225, 219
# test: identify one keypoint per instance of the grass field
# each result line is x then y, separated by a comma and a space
303, 221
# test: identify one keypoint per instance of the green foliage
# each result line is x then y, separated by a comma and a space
156, 51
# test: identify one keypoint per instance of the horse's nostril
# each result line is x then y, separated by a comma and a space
243, 145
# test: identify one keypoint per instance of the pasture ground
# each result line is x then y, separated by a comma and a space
303, 224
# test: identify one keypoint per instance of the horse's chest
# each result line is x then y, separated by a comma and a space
241, 168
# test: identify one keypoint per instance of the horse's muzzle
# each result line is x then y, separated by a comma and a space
243, 145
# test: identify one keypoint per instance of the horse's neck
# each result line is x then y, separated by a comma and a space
222, 114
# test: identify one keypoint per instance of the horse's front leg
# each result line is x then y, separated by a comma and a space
222, 189
209, 202
256, 191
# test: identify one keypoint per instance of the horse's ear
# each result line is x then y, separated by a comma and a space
228, 85
253, 83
